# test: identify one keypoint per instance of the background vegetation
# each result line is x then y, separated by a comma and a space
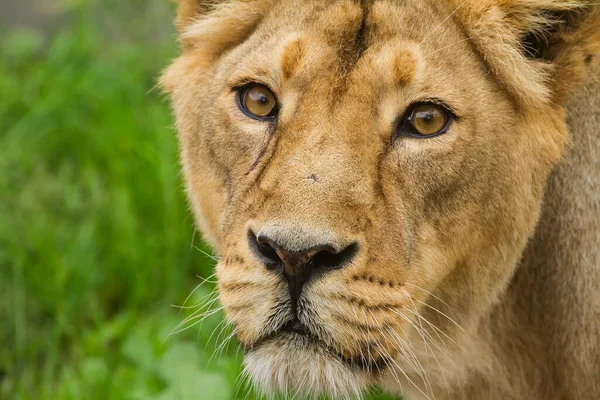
96, 242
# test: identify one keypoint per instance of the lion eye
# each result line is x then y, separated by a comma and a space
426, 120
257, 102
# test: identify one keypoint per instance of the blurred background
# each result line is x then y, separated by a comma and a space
104, 285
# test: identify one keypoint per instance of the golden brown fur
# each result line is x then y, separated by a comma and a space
443, 299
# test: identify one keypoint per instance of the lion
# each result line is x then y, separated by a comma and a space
401, 193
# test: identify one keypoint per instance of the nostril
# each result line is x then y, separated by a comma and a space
264, 250
300, 262
330, 260
299, 258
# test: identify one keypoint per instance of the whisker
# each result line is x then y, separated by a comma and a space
426, 291
436, 329
435, 309
219, 325
387, 356
205, 253
442, 23
415, 311
451, 45
200, 319
417, 367
421, 371
204, 280
249, 386
213, 275
423, 333
219, 350
203, 304
202, 312
415, 385
239, 381
362, 355
408, 354
446, 353
198, 304
409, 320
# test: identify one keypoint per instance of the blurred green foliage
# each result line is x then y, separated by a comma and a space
95, 236
96, 240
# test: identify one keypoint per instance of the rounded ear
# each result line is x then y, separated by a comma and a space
541, 49
190, 10
569, 41
208, 28
215, 25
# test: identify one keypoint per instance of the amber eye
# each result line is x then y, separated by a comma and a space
427, 120
257, 102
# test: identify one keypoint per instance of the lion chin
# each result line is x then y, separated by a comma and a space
304, 368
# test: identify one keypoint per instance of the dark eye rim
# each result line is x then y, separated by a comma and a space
406, 128
242, 92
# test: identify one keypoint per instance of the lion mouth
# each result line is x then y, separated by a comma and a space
293, 328
296, 333
297, 327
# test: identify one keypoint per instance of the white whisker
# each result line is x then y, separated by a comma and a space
441, 313
442, 23
451, 45
424, 335
199, 318
205, 253
426, 291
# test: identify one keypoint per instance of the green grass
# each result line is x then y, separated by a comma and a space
96, 240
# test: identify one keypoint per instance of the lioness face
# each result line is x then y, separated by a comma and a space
368, 183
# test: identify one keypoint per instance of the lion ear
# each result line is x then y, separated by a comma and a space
542, 48
567, 38
216, 25
190, 10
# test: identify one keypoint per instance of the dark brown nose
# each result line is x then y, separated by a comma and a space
299, 265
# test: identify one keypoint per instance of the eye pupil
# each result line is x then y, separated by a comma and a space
257, 102
427, 119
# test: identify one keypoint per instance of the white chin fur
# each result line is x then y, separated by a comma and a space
292, 364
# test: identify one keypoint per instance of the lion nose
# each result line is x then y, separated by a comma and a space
300, 259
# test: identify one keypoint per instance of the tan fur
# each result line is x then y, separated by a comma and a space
454, 291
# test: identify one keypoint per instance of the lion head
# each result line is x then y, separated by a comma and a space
369, 173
